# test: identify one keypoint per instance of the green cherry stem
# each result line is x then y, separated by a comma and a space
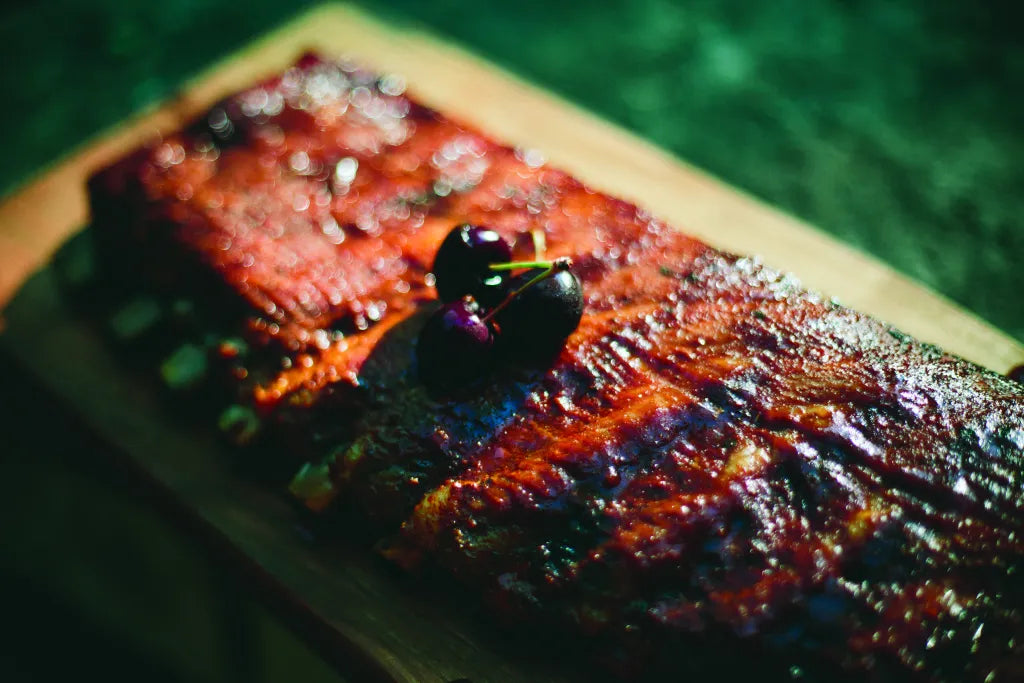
551, 267
521, 265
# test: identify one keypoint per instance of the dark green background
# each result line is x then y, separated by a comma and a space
896, 126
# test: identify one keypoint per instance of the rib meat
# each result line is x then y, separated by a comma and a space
718, 458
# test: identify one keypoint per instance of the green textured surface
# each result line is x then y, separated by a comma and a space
898, 127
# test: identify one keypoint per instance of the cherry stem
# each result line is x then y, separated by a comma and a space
521, 265
551, 267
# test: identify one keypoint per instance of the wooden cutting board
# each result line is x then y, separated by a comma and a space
364, 619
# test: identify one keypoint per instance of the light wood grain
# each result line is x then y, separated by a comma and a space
41, 215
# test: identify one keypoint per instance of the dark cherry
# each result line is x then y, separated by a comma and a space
536, 322
461, 263
454, 346
1016, 373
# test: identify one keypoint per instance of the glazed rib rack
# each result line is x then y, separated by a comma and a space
718, 458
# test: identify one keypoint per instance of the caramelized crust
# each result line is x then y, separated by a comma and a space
716, 457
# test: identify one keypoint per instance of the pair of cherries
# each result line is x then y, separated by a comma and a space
493, 307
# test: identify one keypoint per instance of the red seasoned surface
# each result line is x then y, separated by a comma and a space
717, 459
